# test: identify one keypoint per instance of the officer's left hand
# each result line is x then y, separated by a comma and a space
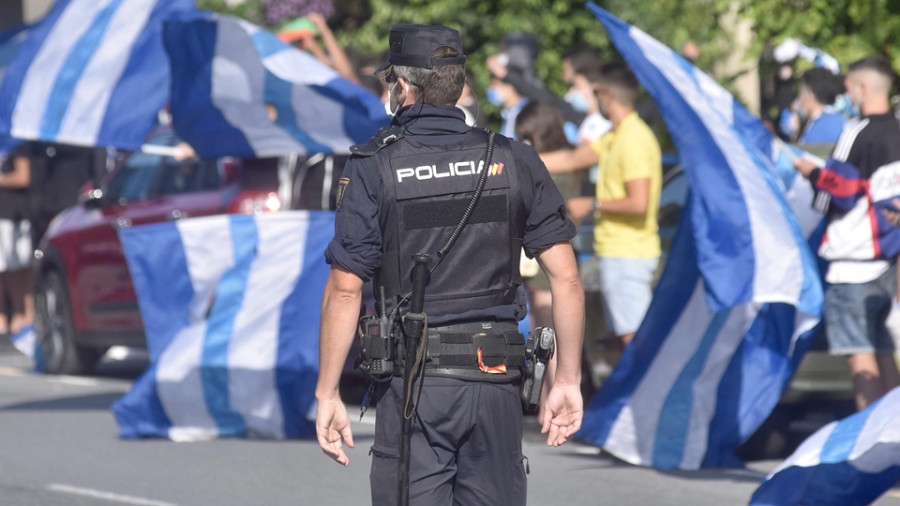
562, 413
333, 429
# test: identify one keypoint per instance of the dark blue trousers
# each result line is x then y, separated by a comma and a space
466, 445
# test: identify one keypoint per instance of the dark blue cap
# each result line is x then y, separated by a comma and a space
414, 46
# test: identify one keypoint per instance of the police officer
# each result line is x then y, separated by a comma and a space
404, 193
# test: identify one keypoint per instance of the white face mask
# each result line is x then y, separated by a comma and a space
387, 105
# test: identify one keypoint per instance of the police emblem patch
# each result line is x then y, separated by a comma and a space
342, 187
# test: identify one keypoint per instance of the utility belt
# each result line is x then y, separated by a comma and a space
479, 351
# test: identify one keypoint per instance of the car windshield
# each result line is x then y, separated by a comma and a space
147, 175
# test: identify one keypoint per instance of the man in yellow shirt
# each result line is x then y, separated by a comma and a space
626, 202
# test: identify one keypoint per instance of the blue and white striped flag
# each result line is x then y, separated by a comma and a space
729, 319
847, 462
231, 311
91, 73
9, 45
26, 342
225, 71
10, 41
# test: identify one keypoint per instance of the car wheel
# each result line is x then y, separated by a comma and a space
56, 332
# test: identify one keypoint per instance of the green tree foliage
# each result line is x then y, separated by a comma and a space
558, 25
846, 29
251, 10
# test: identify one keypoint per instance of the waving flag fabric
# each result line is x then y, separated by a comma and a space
730, 318
226, 71
231, 311
10, 41
91, 73
26, 342
850, 461
9, 46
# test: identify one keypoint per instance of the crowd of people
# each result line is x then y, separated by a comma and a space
602, 156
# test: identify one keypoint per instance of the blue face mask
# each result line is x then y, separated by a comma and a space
493, 96
577, 101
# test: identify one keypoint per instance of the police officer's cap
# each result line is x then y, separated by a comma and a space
414, 46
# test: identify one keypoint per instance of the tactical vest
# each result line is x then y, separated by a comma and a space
426, 191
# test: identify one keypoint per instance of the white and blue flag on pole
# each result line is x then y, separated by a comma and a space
231, 312
225, 73
847, 462
91, 73
729, 319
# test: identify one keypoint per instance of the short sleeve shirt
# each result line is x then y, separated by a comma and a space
357, 243
628, 153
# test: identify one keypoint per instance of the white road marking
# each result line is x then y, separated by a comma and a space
109, 496
9, 371
74, 380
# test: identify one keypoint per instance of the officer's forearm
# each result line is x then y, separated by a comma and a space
340, 311
559, 264
568, 320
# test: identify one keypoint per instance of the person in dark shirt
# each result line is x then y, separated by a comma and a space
404, 192
58, 173
16, 252
861, 285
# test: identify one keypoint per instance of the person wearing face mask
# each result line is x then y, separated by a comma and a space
819, 88
514, 65
507, 97
861, 285
405, 193
469, 103
581, 96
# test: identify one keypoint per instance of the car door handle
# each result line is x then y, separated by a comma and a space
177, 214
122, 222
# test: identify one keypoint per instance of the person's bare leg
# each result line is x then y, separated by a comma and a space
22, 299
867, 381
626, 339
4, 287
890, 375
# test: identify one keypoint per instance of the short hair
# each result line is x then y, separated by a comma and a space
582, 57
823, 84
592, 73
877, 64
624, 86
441, 85
541, 125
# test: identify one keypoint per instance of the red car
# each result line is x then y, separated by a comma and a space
85, 300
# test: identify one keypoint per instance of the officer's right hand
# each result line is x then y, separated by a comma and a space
333, 429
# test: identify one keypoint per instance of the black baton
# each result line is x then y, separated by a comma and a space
414, 325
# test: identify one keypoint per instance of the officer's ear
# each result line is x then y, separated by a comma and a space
405, 87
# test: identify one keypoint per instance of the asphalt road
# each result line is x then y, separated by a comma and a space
58, 446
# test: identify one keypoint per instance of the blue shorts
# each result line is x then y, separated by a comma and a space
626, 285
855, 315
